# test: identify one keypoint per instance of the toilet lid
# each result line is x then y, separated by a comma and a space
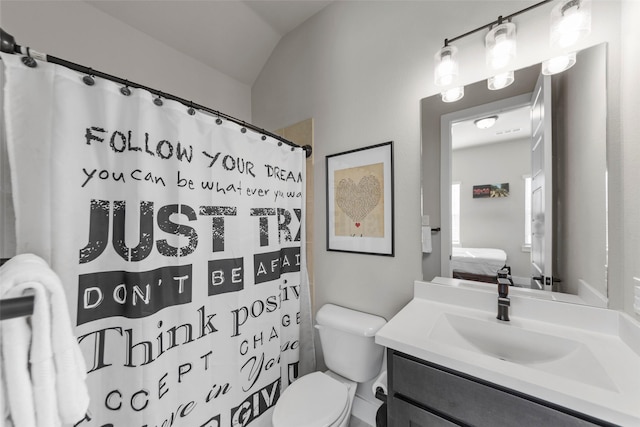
314, 400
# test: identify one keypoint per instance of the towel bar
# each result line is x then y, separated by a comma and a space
16, 307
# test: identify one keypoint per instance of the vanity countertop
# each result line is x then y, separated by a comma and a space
579, 357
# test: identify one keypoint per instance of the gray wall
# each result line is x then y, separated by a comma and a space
494, 222
625, 197
78, 32
360, 70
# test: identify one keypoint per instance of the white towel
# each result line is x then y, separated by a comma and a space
56, 360
426, 239
41, 387
16, 336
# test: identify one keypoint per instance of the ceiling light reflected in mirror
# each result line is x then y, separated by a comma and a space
486, 122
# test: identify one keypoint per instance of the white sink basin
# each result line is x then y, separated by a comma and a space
583, 358
500, 339
505, 341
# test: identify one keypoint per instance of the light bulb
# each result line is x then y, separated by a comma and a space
570, 21
500, 81
453, 94
558, 64
501, 45
446, 69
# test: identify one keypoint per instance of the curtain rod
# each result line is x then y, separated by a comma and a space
497, 21
8, 45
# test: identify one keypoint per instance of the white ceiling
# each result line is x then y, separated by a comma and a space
511, 125
235, 37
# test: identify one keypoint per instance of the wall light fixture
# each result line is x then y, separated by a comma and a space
570, 21
446, 72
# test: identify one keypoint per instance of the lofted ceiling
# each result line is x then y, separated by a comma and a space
233, 36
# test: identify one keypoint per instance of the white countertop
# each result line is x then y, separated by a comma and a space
601, 380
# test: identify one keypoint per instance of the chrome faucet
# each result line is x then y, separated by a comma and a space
503, 291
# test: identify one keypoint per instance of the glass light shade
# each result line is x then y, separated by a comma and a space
446, 68
500, 81
558, 64
486, 122
453, 94
570, 21
500, 45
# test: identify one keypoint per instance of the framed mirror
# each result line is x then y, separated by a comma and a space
528, 193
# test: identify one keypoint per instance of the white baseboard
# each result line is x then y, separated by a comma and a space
365, 410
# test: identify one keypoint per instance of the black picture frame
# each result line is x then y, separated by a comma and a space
360, 200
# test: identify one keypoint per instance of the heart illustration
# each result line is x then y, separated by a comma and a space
358, 200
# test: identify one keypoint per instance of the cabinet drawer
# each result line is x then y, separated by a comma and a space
404, 414
471, 402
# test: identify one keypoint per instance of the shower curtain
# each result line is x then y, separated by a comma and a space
179, 239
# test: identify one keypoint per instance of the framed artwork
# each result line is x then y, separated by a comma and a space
491, 190
360, 200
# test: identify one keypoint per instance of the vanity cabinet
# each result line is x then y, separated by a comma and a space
422, 394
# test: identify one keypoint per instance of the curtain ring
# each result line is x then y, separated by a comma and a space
191, 111
88, 79
125, 89
29, 61
218, 120
264, 137
157, 100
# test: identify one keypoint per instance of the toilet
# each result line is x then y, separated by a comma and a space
324, 399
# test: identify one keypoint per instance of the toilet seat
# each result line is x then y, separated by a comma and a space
314, 400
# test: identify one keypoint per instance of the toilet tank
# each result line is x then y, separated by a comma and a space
348, 342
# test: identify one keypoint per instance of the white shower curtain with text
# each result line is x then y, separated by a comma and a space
179, 240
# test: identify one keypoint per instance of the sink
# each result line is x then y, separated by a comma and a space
583, 358
512, 343
500, 339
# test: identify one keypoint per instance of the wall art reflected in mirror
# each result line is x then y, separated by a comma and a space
522, 180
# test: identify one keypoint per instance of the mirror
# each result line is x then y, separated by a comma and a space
551, 237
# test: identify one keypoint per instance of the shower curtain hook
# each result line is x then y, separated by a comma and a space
243, 129
28, 60
191, 110
157, 100
264, 134
125, 89
218, 120
88, 79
